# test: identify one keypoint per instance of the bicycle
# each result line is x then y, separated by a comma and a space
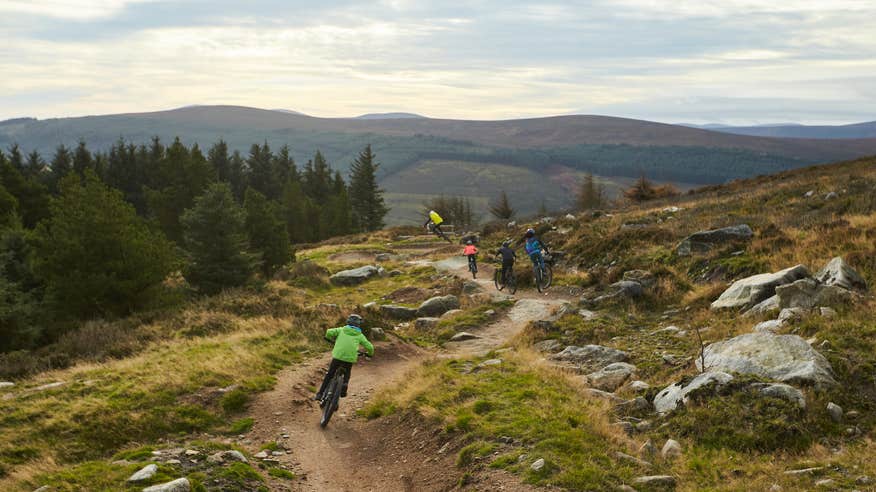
473, 266
438, 232
544, 274
510, 280
332, 395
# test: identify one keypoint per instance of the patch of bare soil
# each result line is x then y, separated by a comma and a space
360, 256
409, 295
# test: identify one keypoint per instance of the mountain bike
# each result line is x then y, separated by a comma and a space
510, 280
473, 265
438, 232
544, 273
331, 397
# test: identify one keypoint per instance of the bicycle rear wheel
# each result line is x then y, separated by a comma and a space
497, 279
544, 278
333, 395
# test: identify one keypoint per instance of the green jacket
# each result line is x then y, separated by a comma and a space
347, 340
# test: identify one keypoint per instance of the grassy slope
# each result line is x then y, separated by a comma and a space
732, 442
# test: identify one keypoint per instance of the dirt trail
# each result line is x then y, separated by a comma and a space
388, 454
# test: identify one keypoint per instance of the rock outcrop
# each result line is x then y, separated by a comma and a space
590, 357
837, 272
612, 376
398, 312
785, 358
752, 290
437, 306
355, 276
703, 241
670, 397
808, 293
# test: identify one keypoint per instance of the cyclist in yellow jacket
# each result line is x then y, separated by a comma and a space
433, 224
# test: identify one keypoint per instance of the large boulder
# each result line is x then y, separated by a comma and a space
398, 312
785, 358
677, 393
750, 291
767, 306
437, 306
703, 241
808, 293
590, 357
612, 376
355, 276
837, 272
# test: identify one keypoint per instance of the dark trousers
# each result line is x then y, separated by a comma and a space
333, 367
507, 266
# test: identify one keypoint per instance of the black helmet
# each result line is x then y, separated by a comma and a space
355, 320
530, 232
468, 242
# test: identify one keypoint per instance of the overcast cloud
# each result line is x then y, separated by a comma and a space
726, 61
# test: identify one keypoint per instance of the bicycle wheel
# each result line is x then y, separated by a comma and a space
512, 283
546, 276
497, 279
333, 395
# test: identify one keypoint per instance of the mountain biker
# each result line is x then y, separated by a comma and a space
534, 249
434, 222
345, 353
471, 252
509, 256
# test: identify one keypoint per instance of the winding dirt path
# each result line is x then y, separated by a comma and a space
393, 453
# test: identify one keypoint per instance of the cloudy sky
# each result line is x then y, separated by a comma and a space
728, 61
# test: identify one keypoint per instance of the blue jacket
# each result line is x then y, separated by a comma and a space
533, 246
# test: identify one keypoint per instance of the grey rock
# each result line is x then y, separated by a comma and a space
178, 485
228, 455
639, 386
144, 473
775, 488
488, 363
750, 291
463, 336
642, 277
827, 312
671, 450
655, 481
382, 257
604, 395
395, 273
550, 346
437, 306
785, 358
398, 312
831, 195
612, 376
625, 488
355, 276
49, 386
807, 293
6, 384
826, 483
628, 288
44, 488
771, 326
370, 305
632, 459
670, 397
792, 315
839, 273
452, 312
587, 314
809, 194
769, 305
835, 411
537, 465
425, 323
590, 357
471, 287
783, 392
704, 241
863, 480
805, 471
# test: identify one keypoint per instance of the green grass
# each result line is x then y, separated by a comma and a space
281, 473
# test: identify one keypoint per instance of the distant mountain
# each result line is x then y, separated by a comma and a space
289, 111
17, 121
388, 116
535, 159
858, 130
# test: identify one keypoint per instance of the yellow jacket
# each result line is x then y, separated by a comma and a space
436, 219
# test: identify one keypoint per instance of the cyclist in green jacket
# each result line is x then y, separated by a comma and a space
347, 341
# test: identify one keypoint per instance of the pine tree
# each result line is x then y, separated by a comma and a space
82, 159
62, 165
366, 198
501, 208
591, 196
8, 209
35, 166
15, 158
267, 232
216, 241
236, 175
96, 255
338, 218
31, 195
20, 292
294, 206
641, 191
283, 168
260, 169
220, 160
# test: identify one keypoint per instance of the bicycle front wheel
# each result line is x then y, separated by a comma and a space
512, 283
544, 279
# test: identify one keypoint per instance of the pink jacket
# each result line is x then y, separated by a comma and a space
470, 250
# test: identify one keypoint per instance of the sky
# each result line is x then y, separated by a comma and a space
695, 61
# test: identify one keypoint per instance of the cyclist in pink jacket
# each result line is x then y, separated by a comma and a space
471, 251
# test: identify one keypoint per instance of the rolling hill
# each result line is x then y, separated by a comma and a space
606, 146
857, 130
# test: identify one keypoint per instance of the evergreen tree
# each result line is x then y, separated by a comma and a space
260, 169
31, 195
216, 240
220, 160
96, 256
15, 158
501, 208
82, 159
644, 190
366, 198
294, 206
317, 178
336, 216
267, 231
236, 175
591, 196
20, 292
62, 165
35, 166
283, 168
8, 209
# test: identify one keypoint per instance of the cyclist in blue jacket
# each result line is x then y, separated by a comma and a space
534, 248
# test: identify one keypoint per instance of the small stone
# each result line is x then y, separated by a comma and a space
6, 384
853, 414
463, 336
826, 483
827, 312
805, 471
643, 426
144, 473
44, 488
656, 481
537, 465
863, 480
625, 488
671, 450
178, 485
172, 461
490, 312
639, 386
487, 363
277, 453
192, 452
261, 455
50, 386
835, 411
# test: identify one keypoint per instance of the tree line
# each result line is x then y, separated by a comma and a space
86, 234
